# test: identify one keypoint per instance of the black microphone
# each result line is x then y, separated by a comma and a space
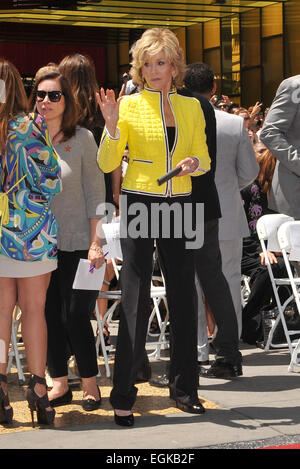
169, 175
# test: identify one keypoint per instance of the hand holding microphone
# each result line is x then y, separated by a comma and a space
186, 166
169, 175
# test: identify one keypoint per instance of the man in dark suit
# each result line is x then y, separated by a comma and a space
208, 263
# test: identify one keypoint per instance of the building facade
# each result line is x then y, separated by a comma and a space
251, 51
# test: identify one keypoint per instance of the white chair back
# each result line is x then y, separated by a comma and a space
267, 227
289, 242
289, 239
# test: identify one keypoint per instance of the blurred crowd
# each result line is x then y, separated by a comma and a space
254, 116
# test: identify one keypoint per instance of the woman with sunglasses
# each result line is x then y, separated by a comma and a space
29, 178
68, 310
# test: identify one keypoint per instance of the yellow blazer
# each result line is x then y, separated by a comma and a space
141, 124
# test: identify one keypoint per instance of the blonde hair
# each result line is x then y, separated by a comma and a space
151, 43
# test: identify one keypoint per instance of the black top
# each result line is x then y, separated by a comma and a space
255, 205
171, 137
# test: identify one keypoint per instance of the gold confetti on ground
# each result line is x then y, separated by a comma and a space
150, 401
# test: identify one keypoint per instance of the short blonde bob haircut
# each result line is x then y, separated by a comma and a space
151, 43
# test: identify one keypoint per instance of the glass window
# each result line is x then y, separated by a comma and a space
292, 37
212, 57
272, 20
180, 33
250, 38
272, 65
230, 40
251, 86
194, 47
123, 53
211, 34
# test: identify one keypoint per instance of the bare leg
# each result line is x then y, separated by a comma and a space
60, 387
8, 295
90, 388
31, 299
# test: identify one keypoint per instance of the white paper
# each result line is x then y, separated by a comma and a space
86, 280
112, 237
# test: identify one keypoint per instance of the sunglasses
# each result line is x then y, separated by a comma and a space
54, 96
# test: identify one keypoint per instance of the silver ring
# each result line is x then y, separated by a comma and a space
188, 168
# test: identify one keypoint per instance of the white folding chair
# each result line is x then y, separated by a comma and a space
115, 296
14, 352
245, 289
289, 242
267, 228
156, 293
162, 335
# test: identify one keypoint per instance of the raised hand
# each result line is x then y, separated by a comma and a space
256, 109
110, 109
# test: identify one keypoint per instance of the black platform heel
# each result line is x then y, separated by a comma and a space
39, 404
6, 411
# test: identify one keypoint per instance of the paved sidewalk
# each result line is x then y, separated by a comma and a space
255, 410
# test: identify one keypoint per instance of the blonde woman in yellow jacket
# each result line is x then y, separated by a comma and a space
163, 131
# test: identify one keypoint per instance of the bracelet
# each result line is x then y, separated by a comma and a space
97, 249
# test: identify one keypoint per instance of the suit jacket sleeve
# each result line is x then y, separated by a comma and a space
210, 130
281, 116
247, 167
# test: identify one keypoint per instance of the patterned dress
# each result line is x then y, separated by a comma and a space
255, 205
30, 177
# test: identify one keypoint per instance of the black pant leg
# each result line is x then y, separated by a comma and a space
73, 317
178, 269
208, 266
58, 349
136, 276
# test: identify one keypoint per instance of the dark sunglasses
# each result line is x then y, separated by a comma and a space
54, 96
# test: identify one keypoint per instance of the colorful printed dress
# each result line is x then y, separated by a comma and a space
30, 177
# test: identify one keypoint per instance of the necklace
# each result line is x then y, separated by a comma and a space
56, 135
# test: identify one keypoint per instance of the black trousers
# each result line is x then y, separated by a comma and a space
136, 276
208, 266
68, 320
260, 296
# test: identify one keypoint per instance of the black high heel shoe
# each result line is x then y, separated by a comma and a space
124, 420
6, 411
39, 404
90, 404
